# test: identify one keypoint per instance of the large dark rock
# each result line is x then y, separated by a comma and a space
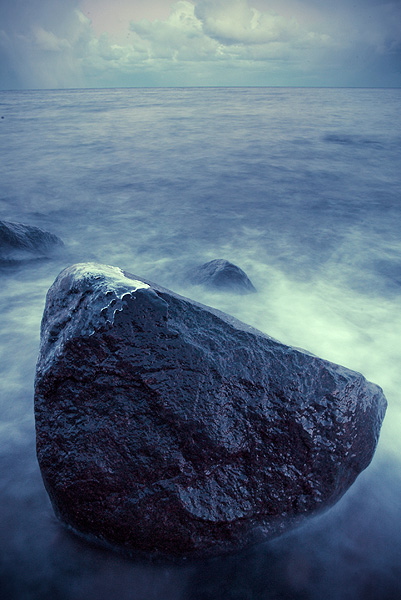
20, 242
166, 426
222, 275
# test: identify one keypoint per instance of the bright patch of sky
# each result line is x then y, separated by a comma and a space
99, 43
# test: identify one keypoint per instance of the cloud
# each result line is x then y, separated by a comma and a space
234, 21
50, 43
179, 37
40, 42
223, 31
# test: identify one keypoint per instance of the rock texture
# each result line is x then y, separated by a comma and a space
167, 427
222, 275
20, 242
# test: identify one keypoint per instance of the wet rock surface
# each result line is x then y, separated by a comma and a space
223, 275
166, 427
19, 242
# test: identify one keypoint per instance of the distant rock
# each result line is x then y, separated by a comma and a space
167, 427
20, 242
223, 275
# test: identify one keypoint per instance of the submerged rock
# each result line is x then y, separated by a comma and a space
164, 426
222, 274
20, 242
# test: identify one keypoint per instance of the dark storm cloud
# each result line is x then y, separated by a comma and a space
32, 33
20, 15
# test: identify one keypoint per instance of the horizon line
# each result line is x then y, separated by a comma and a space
189, 87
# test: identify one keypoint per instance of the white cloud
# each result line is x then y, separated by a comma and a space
180, 37
204, 42
234, 21
222, 31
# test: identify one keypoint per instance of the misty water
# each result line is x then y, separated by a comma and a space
298, 187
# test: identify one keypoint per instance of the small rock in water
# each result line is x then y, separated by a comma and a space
166, 427
223, 275
20, 242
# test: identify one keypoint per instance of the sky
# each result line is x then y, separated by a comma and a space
132, 43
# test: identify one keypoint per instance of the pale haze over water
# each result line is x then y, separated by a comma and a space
301, 189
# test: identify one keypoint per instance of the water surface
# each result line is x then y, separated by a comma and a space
301, 189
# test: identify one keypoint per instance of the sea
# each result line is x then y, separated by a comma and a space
300, 188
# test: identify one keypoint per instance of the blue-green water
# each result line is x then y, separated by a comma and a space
301, 189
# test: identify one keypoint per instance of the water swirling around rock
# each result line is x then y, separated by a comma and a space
170, 428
